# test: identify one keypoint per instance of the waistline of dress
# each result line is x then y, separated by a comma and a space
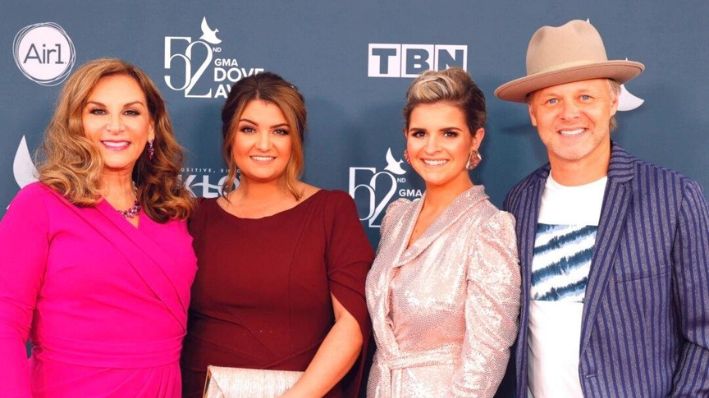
124, 355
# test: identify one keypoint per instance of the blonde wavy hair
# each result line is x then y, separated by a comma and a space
271, 88
71, 165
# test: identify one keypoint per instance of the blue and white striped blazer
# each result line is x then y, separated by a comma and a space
645, 327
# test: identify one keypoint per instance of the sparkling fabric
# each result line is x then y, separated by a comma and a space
444, 310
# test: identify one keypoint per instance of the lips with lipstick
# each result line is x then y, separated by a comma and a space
115, 145
434, 162
262, 158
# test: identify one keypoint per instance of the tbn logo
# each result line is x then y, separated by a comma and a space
410, 60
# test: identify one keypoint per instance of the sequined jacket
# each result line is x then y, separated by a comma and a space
444, 310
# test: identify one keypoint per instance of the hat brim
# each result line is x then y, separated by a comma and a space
518, 89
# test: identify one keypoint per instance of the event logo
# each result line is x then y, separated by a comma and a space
205, 182
627, 101
44, 53
411, 60
376, 189
23, 167
198, 68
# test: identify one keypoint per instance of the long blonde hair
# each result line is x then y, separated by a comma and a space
73, 166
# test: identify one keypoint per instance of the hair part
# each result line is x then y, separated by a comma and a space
269, 87
452, 85
72, 165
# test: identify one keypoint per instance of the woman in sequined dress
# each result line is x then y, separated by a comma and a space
443, 292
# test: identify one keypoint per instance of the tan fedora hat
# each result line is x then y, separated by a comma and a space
565, 54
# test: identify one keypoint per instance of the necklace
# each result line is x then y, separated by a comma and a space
131, 211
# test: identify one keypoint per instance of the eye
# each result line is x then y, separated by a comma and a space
247, 129
97, 111
450, 133
280, 131
132, 112
417, 133
552, 101
585, 97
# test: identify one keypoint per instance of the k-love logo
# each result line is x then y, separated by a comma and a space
376, 189
206, 182
198, 68
411, 60
44, 53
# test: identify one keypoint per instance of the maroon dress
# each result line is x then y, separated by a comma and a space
261, 298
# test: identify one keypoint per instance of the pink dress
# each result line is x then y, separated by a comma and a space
444, 310
103, 303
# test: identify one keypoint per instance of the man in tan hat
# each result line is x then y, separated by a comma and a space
614, 251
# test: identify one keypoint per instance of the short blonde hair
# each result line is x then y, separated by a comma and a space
452, 85
73, 166
272, 88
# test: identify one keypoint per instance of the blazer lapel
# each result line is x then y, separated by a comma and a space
613, 214
468, 199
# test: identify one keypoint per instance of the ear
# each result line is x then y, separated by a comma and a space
478, 138
532, 117
614, 103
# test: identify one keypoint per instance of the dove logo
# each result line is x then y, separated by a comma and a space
198, 69
44, 53
627, 101
23, 167
376, 189
411, 60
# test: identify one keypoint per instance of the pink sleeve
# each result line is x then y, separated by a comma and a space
23, 256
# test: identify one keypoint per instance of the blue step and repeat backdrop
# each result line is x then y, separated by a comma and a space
353, 62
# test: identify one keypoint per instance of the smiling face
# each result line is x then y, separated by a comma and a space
116, 119
573, 123
262, 142
439, 144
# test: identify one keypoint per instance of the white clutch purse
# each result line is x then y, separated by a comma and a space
224, 382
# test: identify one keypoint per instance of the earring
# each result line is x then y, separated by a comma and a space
406, 157
151, 150
474, 160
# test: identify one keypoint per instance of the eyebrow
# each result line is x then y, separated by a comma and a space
138, 102
243, 119
440, 129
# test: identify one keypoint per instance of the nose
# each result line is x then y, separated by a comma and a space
570, 110
264, 141
114, 124
431, 143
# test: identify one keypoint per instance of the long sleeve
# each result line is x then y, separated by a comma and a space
691, 290
491, 309
24, 246
349, 257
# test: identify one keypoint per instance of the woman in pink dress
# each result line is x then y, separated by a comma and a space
444, 290
95, 259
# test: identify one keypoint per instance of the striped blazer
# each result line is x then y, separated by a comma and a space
645, 327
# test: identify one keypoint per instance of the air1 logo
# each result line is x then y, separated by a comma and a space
44, 53
376, 189
196, 66
410, 60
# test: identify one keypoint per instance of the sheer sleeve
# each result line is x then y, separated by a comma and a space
349, 257
491, 309
24, 244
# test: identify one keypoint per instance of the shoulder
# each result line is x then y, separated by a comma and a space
663, 185
530, 181
201, 213
34, 194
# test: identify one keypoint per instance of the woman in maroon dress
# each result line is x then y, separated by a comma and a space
282, 264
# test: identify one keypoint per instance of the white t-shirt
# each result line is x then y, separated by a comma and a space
563, 247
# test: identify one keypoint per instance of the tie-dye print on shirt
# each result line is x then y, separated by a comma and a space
562, 260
